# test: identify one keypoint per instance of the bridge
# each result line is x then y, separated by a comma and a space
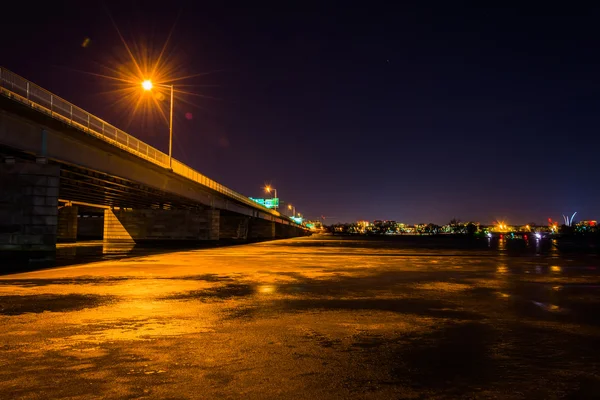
57, 159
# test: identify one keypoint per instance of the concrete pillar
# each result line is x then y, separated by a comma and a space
67, 224
28, 208
280, 231
160, 225
214, 218
233, 227
291, 231
261, 229
286, 231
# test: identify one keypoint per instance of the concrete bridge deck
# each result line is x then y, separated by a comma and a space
50, 149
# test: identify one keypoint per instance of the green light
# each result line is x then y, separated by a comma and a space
297, 220
269, 203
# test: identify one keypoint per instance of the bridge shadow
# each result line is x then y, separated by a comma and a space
96, 250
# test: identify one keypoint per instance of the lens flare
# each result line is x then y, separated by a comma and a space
138, 76
147, 84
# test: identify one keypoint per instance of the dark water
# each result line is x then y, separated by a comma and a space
93, 251
320, 317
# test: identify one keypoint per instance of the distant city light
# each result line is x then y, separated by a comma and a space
569, 221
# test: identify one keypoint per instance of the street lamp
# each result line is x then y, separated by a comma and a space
268, 189
147, 85
291, 207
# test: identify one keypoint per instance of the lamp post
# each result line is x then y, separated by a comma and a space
147, 85
291, 207
268, 189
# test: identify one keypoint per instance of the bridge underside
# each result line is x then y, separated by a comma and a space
44, 202
84, 185
96, 190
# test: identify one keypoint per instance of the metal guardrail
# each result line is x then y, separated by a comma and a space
21, 90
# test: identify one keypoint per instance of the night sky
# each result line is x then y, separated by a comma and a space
413, 113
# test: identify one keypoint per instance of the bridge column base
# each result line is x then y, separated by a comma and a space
152, 225
67, 224
261, 229
233, 227
286, 231
28, 210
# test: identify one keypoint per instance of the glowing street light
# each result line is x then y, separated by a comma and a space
291, 207
147, 85
268, 189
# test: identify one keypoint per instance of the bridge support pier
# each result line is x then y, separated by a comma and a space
234, 227
28, 210
241, 228
285, 231
67, 224
261, 229
156, 225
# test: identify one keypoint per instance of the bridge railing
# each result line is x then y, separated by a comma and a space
20, 89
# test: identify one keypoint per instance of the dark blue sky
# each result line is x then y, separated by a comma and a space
415, 113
